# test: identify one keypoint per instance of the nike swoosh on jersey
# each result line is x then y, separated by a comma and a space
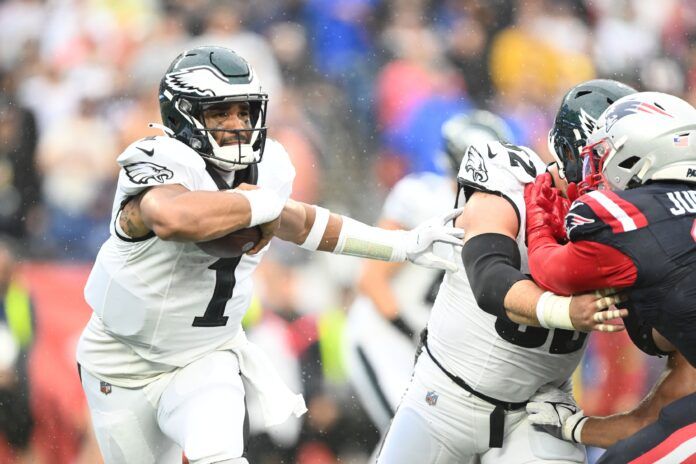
149, 152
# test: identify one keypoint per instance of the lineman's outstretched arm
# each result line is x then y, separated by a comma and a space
316, 228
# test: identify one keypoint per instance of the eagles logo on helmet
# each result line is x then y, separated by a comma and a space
463, 130
202, 78
576, 119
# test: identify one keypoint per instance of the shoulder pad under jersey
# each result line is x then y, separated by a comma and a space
499, 168
160, 160
600, 211
276, 170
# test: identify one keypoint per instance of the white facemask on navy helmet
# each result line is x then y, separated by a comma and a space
647, 136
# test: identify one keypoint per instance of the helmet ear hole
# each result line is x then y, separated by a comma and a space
628, 163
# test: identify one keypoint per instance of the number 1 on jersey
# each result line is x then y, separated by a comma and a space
224, 285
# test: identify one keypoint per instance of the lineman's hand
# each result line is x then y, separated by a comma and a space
556, 412
417, 244
595, 311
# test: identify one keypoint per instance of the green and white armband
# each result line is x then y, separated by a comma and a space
358, 239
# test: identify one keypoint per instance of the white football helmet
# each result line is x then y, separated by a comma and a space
463, 130
646, 136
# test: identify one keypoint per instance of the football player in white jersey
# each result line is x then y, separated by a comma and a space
163, 355
494, 337
395, 299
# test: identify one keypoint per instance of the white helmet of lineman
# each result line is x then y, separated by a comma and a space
646, 136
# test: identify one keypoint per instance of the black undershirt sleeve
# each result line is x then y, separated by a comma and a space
492, 262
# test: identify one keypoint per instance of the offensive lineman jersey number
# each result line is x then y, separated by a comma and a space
563, 341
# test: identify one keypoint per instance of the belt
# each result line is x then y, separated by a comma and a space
497, 417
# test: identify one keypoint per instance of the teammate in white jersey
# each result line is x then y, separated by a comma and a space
485, 354
163, 355
395, 299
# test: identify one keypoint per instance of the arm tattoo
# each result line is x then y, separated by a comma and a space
130, 220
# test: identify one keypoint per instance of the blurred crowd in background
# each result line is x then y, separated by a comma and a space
358, 91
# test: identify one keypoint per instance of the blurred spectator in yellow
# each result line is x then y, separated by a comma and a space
532, 62
16, 336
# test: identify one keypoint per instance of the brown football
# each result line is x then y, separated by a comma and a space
233, 244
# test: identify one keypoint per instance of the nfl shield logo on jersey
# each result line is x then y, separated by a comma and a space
104, 387
431, 398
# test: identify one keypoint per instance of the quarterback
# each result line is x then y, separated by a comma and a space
485, 354
163, 355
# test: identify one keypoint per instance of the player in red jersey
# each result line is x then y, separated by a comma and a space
634, 228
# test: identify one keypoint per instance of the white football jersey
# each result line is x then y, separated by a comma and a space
497, 357
162, 304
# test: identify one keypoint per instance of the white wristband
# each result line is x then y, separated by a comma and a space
553, 311
576, 433
265, 205
316, 233
358, 239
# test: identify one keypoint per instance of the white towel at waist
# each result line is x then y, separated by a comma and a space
277, 401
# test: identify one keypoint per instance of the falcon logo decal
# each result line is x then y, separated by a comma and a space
143, 171
632, 107
475, 164
201, 80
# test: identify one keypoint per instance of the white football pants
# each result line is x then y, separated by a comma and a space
198, 409
439, 422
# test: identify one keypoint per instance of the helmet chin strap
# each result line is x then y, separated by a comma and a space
232, 157
167, 131
228, 158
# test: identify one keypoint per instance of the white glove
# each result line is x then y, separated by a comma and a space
418, 243
556, 412
397, 246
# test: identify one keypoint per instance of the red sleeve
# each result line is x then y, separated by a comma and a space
579, 266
